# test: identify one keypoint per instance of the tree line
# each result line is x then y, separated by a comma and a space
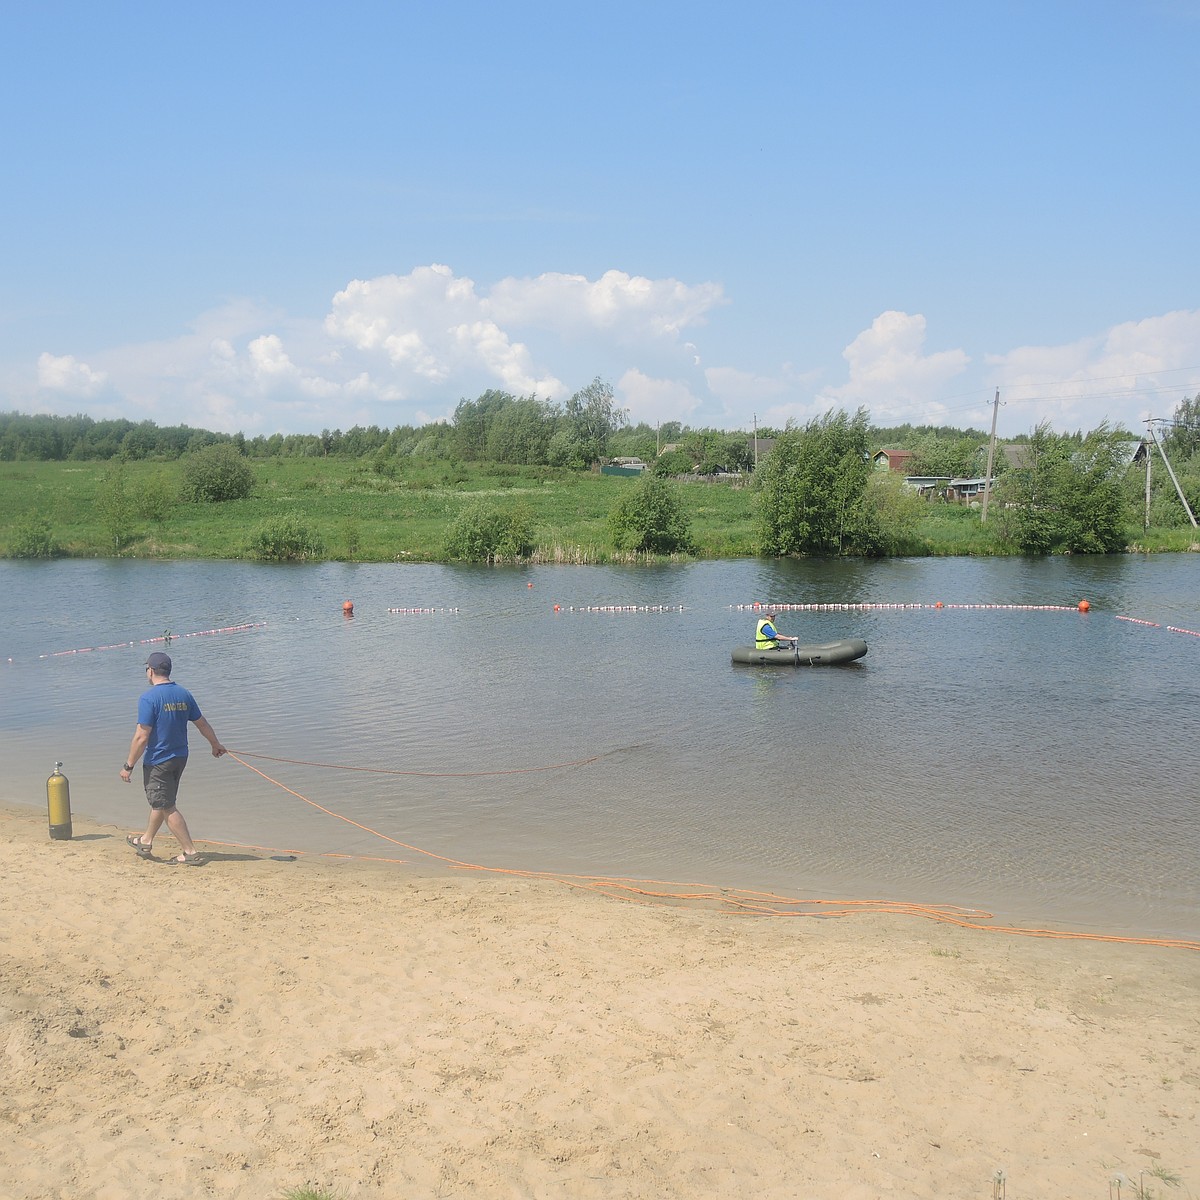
818, 490
504, 428
494, 427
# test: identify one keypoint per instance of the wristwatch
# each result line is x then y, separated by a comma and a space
126, 767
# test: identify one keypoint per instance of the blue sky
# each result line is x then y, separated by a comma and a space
287, 217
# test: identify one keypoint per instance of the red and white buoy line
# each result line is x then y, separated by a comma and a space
412, 612
1082, 607
1156, 625
166, 637
618, 608
758, 606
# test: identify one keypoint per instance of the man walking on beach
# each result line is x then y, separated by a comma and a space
164, 711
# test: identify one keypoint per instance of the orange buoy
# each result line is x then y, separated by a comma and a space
1084, 606
939, 604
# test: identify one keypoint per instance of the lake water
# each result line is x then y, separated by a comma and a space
1039, 763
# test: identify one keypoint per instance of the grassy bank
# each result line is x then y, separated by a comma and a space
355, 512
359, 514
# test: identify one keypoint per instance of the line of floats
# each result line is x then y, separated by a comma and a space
1156, 625
756, 607
165, 637
575, 608
759, 606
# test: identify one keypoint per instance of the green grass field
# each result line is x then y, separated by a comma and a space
356, 513
359, 514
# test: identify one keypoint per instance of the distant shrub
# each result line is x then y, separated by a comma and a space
153, 497
483, 532
898, 511
114, 506
286, 538
650, 517
32, 539
215, 473
673, 462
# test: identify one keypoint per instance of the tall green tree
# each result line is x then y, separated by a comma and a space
813, 490
473, 421
714, 450
1182, 437
954, 457
592, 416
520, 433
1069, 497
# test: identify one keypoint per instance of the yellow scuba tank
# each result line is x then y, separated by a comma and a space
58, 801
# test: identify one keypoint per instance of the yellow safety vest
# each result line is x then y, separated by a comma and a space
761, 642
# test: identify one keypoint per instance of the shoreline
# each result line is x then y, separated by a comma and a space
254, 1025
731, 898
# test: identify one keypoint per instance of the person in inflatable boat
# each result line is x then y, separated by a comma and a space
767, 637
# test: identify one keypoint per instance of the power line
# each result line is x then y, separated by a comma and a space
1077, 396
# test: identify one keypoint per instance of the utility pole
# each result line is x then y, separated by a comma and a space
755, 415
987, 475
1178, 489
1149, 460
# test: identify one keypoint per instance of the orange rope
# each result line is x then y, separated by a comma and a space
733, 901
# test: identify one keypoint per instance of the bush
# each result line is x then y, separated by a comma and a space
898, 510
153, 498
286, 539
482, 532
32, 539
114, 506
215, 473
673, 462
650, 517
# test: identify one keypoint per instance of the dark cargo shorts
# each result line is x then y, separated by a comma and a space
162, 782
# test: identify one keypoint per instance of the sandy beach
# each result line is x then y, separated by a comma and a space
250, 1026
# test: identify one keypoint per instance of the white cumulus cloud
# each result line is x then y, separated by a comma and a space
431, 326
1127, 374
889, 369
632, 306
435, 326
394, 349
65, 373
656, 400
404, 349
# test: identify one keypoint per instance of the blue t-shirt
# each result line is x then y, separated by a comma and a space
167, 708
